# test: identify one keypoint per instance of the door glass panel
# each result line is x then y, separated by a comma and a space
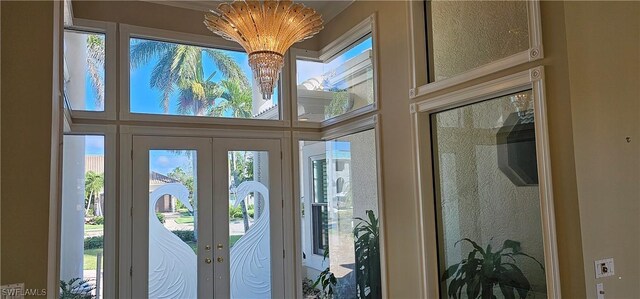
340, 230
173, 231
249, 225
487, 199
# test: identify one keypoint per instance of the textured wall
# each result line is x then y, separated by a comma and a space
469, 34
27, 93
603, 42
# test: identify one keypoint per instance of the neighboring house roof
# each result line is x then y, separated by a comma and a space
159, 179
94, 163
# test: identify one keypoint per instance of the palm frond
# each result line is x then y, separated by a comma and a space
142, 51
228, 67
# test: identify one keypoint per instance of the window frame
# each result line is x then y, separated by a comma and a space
367, 27
371, 122
421, 111
111, 214
130, 31
421, 59
316, 220
109, 30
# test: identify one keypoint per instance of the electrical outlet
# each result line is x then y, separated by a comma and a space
604, 268
600, 291
12, 291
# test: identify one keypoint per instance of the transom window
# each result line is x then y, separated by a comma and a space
84, 71
186, 80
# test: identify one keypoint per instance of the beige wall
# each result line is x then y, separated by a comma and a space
27, 56
153, 15
603, 42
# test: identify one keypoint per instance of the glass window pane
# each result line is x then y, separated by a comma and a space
340, 234
249, 224
84, 58
82, 218
173, 230
487, 195
177, 79
469, 34
342, 84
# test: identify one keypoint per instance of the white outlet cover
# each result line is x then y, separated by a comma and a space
604, 268
600, 291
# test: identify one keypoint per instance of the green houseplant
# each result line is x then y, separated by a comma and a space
76, 288
483, 269
367, 247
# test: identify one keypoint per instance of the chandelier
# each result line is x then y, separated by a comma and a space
266, 30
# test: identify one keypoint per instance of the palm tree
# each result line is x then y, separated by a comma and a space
93, 184
181, 67
237, 100
95, 66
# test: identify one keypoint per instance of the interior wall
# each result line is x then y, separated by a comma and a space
152, 15
603, 43
398, 211
27, 54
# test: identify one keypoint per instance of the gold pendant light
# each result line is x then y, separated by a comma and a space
266, 30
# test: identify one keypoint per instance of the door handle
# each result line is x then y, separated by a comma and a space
220, 259
207, 260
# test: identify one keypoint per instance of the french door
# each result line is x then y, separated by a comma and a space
207, 218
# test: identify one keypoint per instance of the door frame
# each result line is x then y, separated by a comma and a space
140, 210
126, 194
221, 148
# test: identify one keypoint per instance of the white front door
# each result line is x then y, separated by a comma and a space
207, 218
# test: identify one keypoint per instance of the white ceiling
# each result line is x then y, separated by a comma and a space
327, 8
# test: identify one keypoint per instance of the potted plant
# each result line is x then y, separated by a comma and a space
483, 269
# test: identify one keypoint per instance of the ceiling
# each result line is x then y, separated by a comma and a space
327, 8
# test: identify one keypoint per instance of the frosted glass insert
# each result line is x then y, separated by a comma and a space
469, 34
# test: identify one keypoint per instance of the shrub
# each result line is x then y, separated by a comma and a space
160, 217
235, 212
94, 242
98, 220
185, 235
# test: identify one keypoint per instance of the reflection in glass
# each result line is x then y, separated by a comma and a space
84, 58
173, 233
342, 84
487, 195
469, 34
249, 224
340, 231
178, 79
82, 219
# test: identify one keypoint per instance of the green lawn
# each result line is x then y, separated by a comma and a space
93, 227
184, 219
91, 258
